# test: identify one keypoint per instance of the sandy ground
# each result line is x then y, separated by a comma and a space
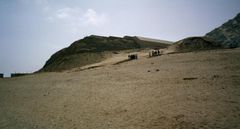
114, 59
199, 90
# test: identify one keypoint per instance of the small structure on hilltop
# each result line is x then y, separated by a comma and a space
132, 56
155, 52
1, 75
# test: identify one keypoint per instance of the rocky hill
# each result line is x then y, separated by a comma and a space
225, 36
94, 49
228, 34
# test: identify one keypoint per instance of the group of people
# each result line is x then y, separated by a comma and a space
155, 53
152, 53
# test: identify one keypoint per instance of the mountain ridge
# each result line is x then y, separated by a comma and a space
228, 34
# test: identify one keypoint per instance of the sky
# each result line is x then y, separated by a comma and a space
32, 30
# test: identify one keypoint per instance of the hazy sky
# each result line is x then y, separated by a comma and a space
32, 30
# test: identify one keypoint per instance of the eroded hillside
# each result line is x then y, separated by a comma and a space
94, 49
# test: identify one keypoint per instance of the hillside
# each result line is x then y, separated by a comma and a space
225, 36
195, 90
194, 44
228, 34
94, 49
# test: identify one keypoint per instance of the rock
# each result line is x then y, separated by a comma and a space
228, 35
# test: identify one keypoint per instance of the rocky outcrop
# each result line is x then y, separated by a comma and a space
228, 35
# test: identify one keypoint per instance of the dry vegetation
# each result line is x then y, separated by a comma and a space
178, 91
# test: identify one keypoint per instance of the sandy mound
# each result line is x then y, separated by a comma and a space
193, 44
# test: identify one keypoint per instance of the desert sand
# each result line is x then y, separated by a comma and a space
195, 90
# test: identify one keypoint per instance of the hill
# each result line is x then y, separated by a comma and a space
194, 44
228, 34
94, 49
225, 36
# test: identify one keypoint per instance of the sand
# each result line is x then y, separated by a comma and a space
196, 90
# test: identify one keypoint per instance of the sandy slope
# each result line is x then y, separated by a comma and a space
149, 93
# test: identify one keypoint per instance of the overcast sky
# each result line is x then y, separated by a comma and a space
32, 30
